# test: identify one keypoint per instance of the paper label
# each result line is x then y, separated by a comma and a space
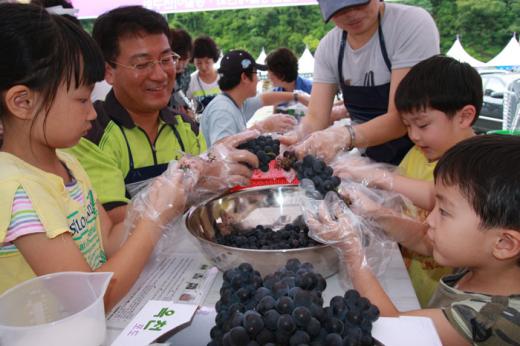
156, 318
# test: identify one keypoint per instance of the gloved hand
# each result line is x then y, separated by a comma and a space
279, 123
325, 144
363, 170
163, 200
339, 112
222, 166
330, 221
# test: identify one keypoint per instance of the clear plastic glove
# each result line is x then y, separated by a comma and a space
325, 144
223, 165
339, 112
164, 199
358, 240
331, 222
363, 170
280, 123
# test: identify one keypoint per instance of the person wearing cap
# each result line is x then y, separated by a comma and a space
371, 48
229, 112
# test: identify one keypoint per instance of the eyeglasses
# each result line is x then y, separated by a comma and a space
166, 62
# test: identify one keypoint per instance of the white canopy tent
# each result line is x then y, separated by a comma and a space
509, 56
261, 57
306, 63
459, 53
261, 60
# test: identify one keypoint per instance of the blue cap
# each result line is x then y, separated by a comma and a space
330, 7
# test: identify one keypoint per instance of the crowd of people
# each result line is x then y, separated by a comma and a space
94, 186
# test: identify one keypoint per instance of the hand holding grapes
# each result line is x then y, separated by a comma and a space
225, 165
334, 223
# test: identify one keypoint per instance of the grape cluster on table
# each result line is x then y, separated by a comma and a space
311, 168
286, 308
291, 236
265, 148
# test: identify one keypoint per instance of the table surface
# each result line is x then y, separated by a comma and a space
395, 281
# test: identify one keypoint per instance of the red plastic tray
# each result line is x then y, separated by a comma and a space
274, 176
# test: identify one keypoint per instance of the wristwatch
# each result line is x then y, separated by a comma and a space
295, 96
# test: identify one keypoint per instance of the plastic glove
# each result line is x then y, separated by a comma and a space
331, 222
358, 240
324, 144
163, 200
339, 112
222, 166
280, 123
363, 170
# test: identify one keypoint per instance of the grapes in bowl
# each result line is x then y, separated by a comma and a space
262, 226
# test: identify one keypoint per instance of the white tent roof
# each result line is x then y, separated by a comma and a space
261, 57
261, 60
509, 56
306, 62
459, 53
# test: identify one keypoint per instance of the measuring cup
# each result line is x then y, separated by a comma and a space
57, 309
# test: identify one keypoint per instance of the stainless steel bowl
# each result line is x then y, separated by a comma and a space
272, 206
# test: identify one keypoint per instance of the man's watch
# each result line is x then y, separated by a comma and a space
295, 96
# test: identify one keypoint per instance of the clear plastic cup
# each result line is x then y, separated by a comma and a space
57, 309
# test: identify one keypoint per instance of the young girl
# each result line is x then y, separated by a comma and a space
50, 219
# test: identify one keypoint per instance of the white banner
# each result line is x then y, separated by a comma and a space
92, 9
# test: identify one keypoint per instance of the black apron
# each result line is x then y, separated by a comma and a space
367, 102
137, 178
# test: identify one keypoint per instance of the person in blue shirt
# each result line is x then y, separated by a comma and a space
282, 71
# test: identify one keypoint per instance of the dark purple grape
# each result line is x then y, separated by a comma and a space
301, 316
265, 304
333, 339
286, 323
265, 336
271, 319
285, 305
253, 322
299, 338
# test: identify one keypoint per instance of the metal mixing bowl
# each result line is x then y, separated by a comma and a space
270, 206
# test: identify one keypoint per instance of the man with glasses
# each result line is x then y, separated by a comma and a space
228, 113
135, 134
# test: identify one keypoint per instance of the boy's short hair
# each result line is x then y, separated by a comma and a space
283, 63
441, 83
126, 21
182, 43
486, 170
205, 47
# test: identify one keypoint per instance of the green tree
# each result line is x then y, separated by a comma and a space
484, 27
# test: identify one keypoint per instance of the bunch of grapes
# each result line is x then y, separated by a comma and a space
313, 169
291, 236
286, 308
265, 148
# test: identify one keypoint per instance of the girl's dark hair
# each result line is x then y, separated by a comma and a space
41, 51
442, 83
181, 42
283, 63
205, 47
52, 3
